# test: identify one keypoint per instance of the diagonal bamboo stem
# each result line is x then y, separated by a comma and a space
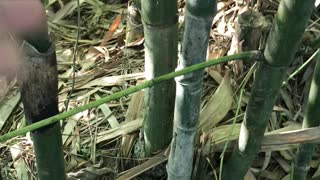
252, 55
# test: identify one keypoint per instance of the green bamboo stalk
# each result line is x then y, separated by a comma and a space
160, 32
311, 119
283, 42
198, 20
246, 56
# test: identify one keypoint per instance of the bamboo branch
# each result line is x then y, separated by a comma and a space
252, 55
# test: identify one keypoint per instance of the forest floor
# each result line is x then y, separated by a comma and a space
101, 143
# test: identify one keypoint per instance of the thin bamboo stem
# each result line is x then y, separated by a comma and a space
252, 55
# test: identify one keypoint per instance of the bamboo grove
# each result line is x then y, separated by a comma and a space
173, 88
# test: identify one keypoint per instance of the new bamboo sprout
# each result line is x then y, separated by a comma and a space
282, 43
198, 20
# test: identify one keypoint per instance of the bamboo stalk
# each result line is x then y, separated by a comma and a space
160, 31
283, 42
311, 119
39, 93
247, 56
198, 20
38, 79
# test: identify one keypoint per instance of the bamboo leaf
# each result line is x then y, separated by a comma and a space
221, 133
6, 108
66, 10
135, 111
19, 164
218, 105
112, 29
112, 80
274, 140
88, 94
108, 113
249, 176
68, 129
124, 128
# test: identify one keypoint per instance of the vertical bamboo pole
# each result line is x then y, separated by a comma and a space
311, 119
160, 31
198, 21
38, 79
283, 42
39, 94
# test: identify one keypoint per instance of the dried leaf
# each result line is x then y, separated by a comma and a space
135, 111
124, 128
249, 176
68, 130
7, 107
87, 94
218, 105
112, 29
221, 133
19, 164
108, 113
112, 80
152, 162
